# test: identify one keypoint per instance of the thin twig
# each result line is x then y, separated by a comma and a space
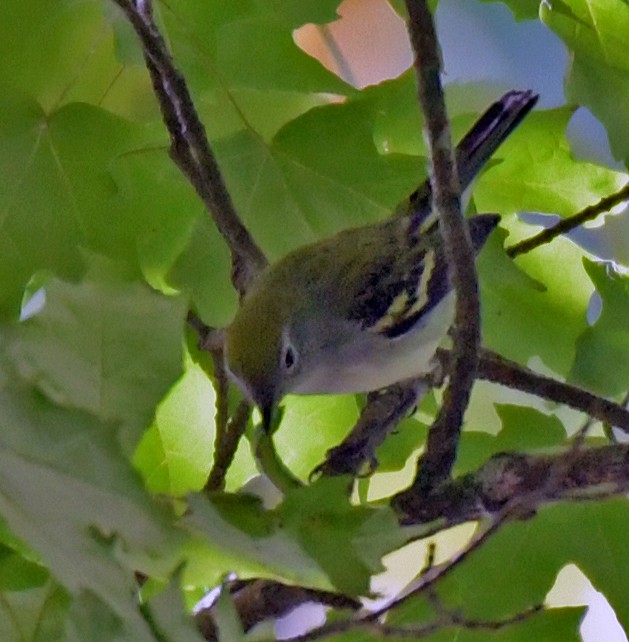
191, 151
381, 414
431, 553
493, 367
221, 388
567, 224
427, 581
495, 625
228, 431
445, 620
204, 332
190, 148
438, 459
608, 428
225, 446
436, 573
454, 617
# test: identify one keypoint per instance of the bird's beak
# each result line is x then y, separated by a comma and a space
268, 411
266, 402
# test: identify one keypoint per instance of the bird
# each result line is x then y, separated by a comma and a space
367, 307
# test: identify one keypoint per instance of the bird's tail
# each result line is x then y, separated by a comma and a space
475, 149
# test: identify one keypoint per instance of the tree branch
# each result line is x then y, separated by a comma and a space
495, 368
567, 224
424, 584
509, 486
191, 151
260, 599
226, 443
530, 480
445, 619
381, 414
433, 575
438, 459
385, 409
190, 148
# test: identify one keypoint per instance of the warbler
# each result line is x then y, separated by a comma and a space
365, 308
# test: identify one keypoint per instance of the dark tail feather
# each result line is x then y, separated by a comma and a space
476, 147
490, 131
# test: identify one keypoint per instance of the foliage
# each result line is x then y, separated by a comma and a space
106, 413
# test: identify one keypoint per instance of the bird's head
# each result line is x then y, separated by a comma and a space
260, 354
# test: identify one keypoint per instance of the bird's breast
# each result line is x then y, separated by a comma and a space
367, 361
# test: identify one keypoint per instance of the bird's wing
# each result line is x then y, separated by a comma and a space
395, 295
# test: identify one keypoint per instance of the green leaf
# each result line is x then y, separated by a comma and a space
58, 196
245, 44
105, 345
521, 9
539, 174
306, 11
30, 204
602, 358
311, 425
499, 579
92, 619
227, 620
276, 190
351, 129
18, 573
260, 53
347, 541
235, 533
243, 66
522, 429
397, 119
263, 111
67, 490
36, 614
535, 307
296, 184
595, 32
393, 454
169, 617
605, 95
107, 191
57, 51
202, 271
599, 551
160, 211
175, 453
527, 426
315, 534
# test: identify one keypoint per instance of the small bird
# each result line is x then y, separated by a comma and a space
367, 307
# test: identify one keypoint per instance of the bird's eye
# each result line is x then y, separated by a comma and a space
289, 358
